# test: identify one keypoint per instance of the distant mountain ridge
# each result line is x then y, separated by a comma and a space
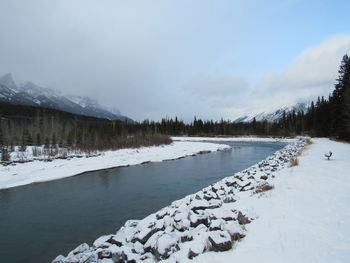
273, 116
34, 95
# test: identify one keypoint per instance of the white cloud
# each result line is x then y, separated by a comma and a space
311, 74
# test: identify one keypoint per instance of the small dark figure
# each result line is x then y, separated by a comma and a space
328, 155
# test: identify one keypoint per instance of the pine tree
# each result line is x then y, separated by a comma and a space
340, 106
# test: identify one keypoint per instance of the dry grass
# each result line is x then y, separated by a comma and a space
263, 188
295, 161
309, 141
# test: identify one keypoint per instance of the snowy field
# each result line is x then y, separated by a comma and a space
304, 218
40, 171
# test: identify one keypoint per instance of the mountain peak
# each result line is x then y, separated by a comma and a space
35, 90
7, 80
273, 116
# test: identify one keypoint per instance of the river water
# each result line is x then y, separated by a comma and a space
40, 221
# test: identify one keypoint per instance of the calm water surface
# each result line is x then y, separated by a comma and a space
40, 221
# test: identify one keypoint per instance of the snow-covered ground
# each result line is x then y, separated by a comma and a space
304, 218
233, 139
39, 171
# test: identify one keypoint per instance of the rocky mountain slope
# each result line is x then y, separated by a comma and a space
34, 95
274, 116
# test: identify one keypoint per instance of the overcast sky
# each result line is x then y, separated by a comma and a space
181, 58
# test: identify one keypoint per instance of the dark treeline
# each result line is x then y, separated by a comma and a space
28, 125
325, 118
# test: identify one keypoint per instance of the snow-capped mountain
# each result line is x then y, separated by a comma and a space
274, 116
34, 95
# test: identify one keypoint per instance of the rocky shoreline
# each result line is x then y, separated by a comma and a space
205, 221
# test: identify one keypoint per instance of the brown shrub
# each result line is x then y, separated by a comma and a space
263, 188
308, 141
294, 161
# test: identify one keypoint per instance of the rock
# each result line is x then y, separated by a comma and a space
166, 245
237, 236
216, 224
146, 233
243, 188
220, 241
264, 177
59, 259
196, 249
242, 219
161, 214
234, 230
197, 205
80, 249
101, 242
82, 258
104, 254
225, 214
186, 237
196, 220
232, 184
182, 225
138, 248
113, 241
119, 257
210, 196
229, 199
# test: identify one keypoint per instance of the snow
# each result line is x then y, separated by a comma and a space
305, 218
232, 139
40, 171
273, 116
190, 226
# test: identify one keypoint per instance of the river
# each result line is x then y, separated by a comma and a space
40, 221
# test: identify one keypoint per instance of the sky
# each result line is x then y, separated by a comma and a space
185, 58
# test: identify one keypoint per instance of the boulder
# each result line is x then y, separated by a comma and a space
104, 254
242, 219
216, 224
59, 259
219, 241
196, 220
147, 232
196, 249
229, 199
197, 205
80, 249
166, 245
82, 258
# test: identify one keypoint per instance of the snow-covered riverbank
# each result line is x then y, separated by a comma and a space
306, 218
39, 171
210, 220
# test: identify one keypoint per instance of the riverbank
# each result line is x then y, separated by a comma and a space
209, 220
306, 218
40, 171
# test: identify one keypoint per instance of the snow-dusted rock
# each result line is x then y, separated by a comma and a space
166, 245
196, 249
220, 241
